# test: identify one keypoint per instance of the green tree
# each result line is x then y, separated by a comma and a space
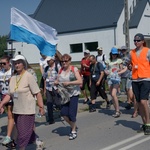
3, 44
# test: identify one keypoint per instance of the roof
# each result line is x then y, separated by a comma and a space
79, 15
137, 13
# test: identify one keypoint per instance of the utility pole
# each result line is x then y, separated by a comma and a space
126, 25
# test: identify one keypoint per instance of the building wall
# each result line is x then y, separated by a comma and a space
106, 38
30, 51
143, 27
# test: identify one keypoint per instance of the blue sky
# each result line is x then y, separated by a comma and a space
26, 6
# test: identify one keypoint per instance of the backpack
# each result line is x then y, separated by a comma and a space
72, 74
47, 67
103, 59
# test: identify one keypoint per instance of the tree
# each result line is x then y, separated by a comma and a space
3, 44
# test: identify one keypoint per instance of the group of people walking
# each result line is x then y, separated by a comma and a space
61, 83
126, 71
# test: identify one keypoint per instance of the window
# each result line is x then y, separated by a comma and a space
76, 48
92, 46
147, 42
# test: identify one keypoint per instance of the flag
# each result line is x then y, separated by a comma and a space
26, 29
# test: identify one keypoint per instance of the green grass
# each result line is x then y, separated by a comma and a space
39, 75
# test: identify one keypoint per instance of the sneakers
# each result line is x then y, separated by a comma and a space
86, 101
128, 106
11, 145
50, 122
92, 110
147, 130
72, 136
108, 105
39, 144
6, 141
142, 129
117, 114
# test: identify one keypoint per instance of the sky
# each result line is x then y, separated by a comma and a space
26, 6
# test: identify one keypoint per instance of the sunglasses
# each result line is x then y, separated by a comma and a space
2, 63
137, 40
64, 61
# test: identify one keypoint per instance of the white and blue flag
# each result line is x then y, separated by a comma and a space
29, 30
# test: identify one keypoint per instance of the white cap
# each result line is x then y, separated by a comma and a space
19, 57
87, 51
48, 58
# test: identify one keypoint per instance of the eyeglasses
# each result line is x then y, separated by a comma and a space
64, 61
137, 40
2, 63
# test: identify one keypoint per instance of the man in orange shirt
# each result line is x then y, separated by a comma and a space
139, 58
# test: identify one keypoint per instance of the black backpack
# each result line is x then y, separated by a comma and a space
56, 68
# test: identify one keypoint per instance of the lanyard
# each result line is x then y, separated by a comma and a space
18, 81
94, 67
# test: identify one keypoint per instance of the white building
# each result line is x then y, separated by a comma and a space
87, 24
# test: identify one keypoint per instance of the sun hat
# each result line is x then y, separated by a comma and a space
99, 48
48, 58
20, 57
114, 50
87, 51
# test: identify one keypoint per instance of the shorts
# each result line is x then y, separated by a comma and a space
129, 84
141, 90
111, 83
86, 81
70, 109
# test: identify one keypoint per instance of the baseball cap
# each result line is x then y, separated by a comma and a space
123, 47
114, 50
139, 36
48, 58
99, 48
87, 51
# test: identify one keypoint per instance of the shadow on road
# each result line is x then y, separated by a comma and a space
62, 131
129, 124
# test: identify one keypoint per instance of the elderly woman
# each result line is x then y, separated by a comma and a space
69, 76
23, 89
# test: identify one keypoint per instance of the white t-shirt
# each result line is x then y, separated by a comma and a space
4, 80
43, 63
113, 66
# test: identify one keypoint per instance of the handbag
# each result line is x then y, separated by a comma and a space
64, 94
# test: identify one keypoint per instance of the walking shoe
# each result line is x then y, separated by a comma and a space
86, 101
142, 129
11, 145
128, 106
72, 136
92, 110
39, 144
108, 105
147, 130
49, 123
117, 114
6, 141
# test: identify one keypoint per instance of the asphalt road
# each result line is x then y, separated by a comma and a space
96, 131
